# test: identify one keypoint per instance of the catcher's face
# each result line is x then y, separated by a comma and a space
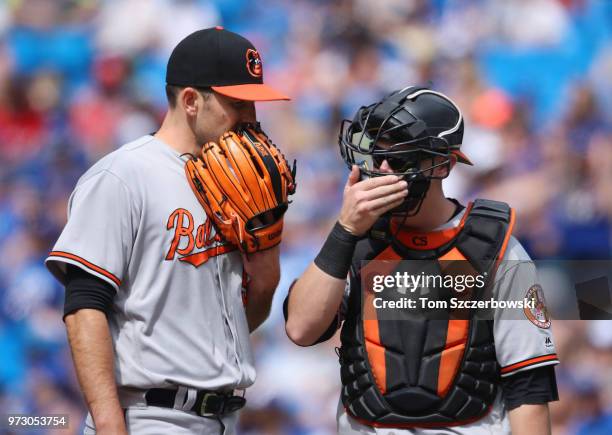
427, 172
431, 167
219, 114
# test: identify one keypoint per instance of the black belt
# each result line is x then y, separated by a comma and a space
207, 403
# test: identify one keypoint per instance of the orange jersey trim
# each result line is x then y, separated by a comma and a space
87, 264
529, 362
202, 257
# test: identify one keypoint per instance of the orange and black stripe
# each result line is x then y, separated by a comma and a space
458, 329
87, 265
371, 325
534, 362
452, 336
199, 258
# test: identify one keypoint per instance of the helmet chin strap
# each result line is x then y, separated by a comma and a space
417, 189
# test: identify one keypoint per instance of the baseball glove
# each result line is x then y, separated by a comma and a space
243, 183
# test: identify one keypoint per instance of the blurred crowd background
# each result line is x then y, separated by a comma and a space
78, 78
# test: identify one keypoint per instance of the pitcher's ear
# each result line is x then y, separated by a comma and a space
188, 99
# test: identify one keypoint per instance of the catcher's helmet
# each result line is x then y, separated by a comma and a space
414, 129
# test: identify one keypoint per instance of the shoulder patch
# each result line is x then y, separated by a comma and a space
538, 315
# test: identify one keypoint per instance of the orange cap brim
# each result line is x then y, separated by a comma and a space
462, 158
251, 92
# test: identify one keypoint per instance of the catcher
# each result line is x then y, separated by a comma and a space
461, 373
169, 261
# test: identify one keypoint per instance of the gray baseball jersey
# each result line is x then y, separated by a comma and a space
521, 342
178, 315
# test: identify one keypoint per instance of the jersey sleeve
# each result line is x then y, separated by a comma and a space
523, 338
100, 230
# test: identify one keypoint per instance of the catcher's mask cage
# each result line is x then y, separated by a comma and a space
415, 129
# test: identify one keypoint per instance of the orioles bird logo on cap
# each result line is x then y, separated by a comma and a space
254, 65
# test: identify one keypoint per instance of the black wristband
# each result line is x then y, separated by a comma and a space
337, 252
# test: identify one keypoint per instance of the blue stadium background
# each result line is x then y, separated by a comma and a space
534, 78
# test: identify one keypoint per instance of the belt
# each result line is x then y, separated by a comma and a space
207, 403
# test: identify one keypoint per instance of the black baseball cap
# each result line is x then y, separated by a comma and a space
222, 60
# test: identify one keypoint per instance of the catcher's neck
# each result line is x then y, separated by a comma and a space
435, 210
176, 133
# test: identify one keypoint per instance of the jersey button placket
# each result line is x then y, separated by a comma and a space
230, 333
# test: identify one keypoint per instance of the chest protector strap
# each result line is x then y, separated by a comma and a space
418, 372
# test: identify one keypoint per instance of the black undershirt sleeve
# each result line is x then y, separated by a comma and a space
329, 332
84, 290
535, 386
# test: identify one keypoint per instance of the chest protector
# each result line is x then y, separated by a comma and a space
424, 372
